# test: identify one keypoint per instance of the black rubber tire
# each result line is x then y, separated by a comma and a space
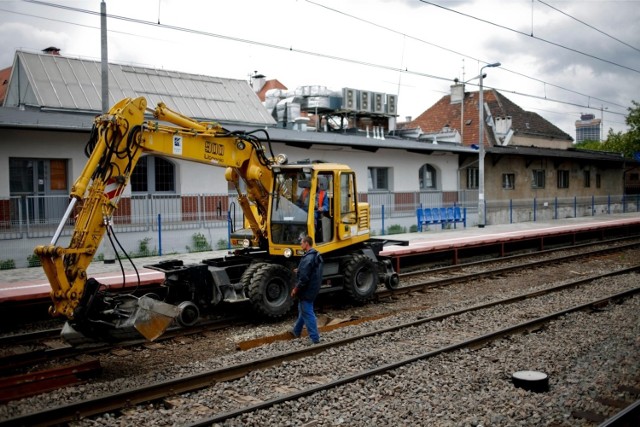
360, 278
269, 290
247, 275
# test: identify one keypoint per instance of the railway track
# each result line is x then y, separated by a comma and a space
507, 311
45, 346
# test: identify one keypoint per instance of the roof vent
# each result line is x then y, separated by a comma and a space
52, 50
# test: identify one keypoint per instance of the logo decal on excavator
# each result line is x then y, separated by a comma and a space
177, 144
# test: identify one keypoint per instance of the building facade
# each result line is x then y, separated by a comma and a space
588, 128
51, 101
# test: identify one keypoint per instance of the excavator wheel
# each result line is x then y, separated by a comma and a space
269, 290
360, 278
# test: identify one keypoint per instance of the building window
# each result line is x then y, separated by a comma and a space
473, 177
427, 177
508, 181
598, 180
563, 179
37, 176
153, 174
587, 179
379, 179
537, 180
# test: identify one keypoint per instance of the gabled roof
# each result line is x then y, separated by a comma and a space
55, 82
523, 122
444, 113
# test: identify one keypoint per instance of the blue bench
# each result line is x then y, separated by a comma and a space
451, 215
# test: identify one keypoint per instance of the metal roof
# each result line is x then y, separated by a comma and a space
575, 154
57, 82
33, 118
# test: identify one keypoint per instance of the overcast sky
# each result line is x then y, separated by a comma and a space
559, 58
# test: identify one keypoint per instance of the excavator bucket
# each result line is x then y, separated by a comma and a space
153, 317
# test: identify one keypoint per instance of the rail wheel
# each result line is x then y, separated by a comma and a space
269, 290
360, 278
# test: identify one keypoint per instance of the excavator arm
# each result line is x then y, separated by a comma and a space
118, 139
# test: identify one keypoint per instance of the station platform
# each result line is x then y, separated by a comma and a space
31, 283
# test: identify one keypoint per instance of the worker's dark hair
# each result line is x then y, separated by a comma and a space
308, 239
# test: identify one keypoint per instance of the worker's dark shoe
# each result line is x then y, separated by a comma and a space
293, 334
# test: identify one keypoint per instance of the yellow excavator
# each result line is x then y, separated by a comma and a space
281, 202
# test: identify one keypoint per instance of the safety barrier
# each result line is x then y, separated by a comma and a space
443, 216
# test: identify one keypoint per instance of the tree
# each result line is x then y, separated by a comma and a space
627, 143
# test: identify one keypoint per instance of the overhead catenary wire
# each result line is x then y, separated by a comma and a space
504, 27
326, 56
589, 25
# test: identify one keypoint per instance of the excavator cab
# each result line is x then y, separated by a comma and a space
319, 200
290, 206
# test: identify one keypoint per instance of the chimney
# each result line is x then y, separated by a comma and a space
457, 93
257, 81
52, 51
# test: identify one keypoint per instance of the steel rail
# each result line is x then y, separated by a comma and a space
115, 401
474, 343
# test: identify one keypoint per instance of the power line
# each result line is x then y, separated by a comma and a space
589, 25
300, 51
531, 36
458, 53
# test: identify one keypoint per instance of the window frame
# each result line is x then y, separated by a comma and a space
563, 179
374, 178
538, 178
587, 179
425, 170
152, 167
473, 178
508, 178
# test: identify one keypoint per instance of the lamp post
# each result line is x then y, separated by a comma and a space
481, 202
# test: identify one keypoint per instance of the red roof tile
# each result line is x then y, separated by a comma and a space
4, 83
270, 84
444, 113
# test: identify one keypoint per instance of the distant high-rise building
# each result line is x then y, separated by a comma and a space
588, 128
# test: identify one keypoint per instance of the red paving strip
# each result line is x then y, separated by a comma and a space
39, 289
442, 241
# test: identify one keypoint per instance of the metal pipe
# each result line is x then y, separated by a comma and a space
65, 217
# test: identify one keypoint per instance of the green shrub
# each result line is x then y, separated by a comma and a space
413, 229
7, 264
396, 229
143, 249
33, 260
200, 243
222, 244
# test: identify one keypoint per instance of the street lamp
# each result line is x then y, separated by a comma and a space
481, 202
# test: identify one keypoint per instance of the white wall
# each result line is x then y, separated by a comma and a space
193, 178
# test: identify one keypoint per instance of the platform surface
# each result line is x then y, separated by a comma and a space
31, 283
